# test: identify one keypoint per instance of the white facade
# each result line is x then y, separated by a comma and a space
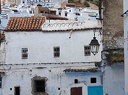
79, 13
41, 62
126, 45
22, 75
41, 44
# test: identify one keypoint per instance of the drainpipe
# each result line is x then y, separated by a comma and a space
100, 9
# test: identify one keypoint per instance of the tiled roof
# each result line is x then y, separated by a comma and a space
81, 70
63, 4
25, 23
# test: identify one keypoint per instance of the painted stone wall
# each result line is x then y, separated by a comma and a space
113, 79
58, 82
40, 46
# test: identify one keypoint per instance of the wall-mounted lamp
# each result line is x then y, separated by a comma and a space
94, 44
124, 13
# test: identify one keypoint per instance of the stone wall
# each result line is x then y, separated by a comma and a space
113, 23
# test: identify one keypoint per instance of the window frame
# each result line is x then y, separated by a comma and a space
38, 78
24, 52
56, 51
92, 80
87, 50
40, 87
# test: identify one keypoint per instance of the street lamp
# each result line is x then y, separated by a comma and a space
94, 45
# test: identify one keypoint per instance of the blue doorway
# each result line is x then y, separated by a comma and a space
95, 90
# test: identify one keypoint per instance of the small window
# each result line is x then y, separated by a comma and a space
30, 12
66, 13
24, 53
76, 81
60, 13
15, 10
87, 51
39, 85
56, 51
93, 80
78, 14
0, 82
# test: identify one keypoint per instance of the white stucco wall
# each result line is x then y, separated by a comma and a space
40, 46
19, 72
113, 79
2, 53
21, 75
126, 45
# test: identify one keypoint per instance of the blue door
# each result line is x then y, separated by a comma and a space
95, 90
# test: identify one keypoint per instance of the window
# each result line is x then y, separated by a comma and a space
60, 13
0, 81
56, 51
93, 80
17, 90
15, 10
24, 53
30, 12
66, 13
39, 85
78, 14
76, 81
87, 51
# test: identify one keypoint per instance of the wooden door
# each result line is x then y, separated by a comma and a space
76, 91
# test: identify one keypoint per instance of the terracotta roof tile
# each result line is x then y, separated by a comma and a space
25, 23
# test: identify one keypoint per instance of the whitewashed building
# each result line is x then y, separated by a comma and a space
79, 14
53, 58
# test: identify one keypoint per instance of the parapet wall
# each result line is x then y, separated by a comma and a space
57, 25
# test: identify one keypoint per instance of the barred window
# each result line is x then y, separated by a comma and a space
87, 51
24, 53
39, 85
56, 51
93, 80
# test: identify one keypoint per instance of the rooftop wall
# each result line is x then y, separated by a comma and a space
70, 25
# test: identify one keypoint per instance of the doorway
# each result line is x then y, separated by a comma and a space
76, 91
17, 90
